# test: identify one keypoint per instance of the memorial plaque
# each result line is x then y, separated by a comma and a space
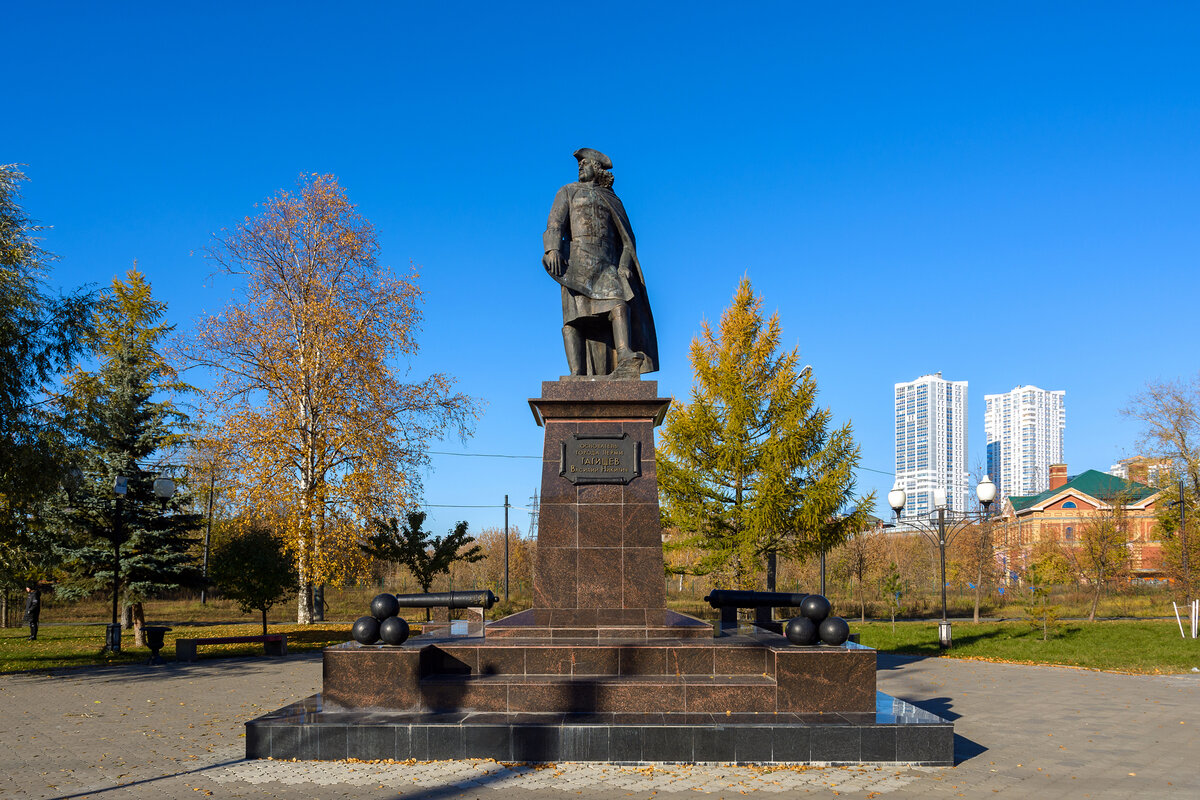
601, 459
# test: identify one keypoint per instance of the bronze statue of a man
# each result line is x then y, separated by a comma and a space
589, 249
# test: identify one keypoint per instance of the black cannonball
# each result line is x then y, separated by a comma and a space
800, 630
834, 631
393, 630
815, 607
365, 630
384, 606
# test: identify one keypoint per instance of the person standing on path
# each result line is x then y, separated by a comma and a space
33, 607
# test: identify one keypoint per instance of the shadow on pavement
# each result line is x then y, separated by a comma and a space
894, 660
964, 748
228, 667
937, 705
146, 781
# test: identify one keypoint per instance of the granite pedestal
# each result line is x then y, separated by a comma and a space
599, 669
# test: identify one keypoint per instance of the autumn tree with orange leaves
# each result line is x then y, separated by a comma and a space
322, 431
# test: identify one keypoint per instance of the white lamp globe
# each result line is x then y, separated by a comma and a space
986, 490
164, 488
939, 497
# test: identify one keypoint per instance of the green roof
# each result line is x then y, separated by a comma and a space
1093, 483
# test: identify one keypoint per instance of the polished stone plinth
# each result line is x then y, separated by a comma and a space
750, 672
893, 731
599, 559
607, 624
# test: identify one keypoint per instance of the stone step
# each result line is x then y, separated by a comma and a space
599, 693
595, 658
766, 675
893, 732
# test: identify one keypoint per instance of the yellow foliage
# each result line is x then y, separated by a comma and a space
320, 430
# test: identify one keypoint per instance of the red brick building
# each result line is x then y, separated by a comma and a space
1060, 513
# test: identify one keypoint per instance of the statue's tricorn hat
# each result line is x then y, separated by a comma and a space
595, 155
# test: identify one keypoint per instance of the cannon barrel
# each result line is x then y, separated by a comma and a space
732, 598
472, 599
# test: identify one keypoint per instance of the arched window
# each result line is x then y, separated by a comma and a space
1069, 504
1070, 534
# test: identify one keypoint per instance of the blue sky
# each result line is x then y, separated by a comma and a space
1006, 193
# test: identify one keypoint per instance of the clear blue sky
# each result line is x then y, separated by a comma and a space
1006, 193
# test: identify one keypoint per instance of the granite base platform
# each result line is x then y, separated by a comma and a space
748, 672
895, 733
595, 623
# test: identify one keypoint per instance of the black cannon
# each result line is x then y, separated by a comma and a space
386, 624
732, 598
814, 623
728, 601
482, 598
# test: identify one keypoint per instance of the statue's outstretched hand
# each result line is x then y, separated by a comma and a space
554, 264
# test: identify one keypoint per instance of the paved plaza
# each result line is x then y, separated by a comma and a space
175, 731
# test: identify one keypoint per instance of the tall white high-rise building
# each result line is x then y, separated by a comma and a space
931, 443
1024, 430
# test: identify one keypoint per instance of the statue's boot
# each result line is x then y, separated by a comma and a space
620, 324
629, 362
629, 368
573, 342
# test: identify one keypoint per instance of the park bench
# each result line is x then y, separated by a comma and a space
275, 644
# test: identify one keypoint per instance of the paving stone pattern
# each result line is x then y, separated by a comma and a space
175, 731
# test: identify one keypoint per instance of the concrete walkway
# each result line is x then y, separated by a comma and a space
176, 731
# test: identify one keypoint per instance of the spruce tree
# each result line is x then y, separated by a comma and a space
123, 422
752, 467
40, 337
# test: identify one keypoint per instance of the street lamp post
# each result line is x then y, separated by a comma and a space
1183, 542
112, 636
164, 489
959, 521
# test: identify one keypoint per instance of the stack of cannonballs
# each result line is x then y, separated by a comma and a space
384, 624
814, 625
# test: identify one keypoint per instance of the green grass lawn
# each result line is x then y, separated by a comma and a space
1144, 646
80, 645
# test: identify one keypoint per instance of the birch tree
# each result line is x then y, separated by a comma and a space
1169, 415
322, 429
1100, 555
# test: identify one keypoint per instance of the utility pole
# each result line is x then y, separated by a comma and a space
505, 548
1183, 542
212, 482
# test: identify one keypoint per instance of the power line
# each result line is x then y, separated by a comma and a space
509, 455
451, 505
477, 455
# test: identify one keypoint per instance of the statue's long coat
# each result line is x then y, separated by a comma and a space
589, 227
